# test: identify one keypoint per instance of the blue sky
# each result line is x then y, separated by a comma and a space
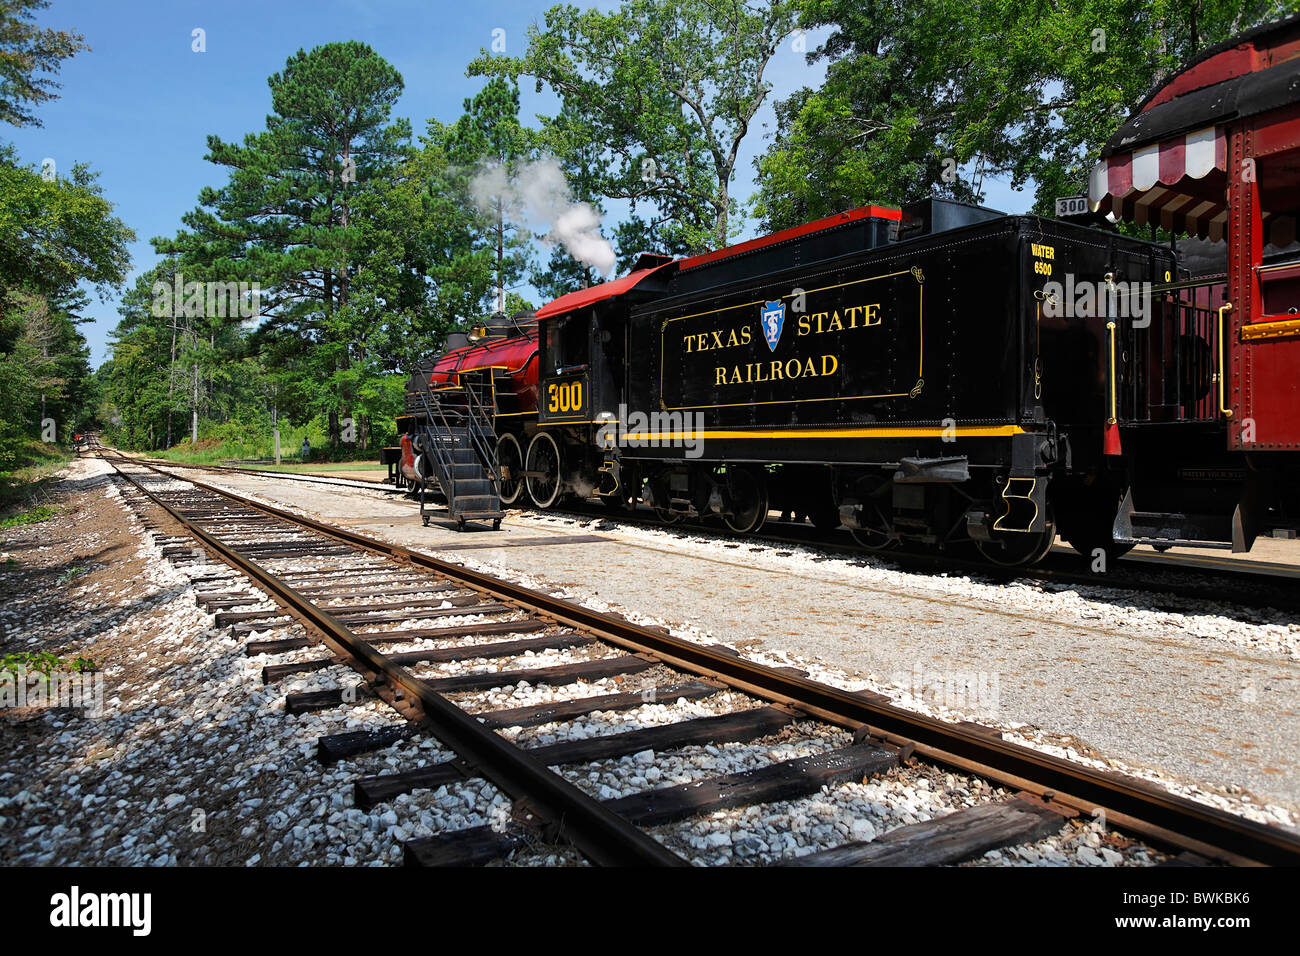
139, 105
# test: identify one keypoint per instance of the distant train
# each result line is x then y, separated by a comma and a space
941, 374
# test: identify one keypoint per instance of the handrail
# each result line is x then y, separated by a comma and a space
1276, 266
1200, 282
478, 424
443, 465
1222, 371
1110, 329
459, 404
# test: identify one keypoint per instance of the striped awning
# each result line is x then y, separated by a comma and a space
1180, 184
1168, 183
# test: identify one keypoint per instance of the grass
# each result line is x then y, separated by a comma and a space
44, 662
313, 467
71, 573
31, 516
222, 451
208, 454
25, 485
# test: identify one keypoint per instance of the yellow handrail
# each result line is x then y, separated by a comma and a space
1223, 369
1110, 328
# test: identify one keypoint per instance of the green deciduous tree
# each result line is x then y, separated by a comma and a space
932, 97
55, 233
667, 89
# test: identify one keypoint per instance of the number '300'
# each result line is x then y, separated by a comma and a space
564, 398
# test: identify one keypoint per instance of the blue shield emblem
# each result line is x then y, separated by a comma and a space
773, 320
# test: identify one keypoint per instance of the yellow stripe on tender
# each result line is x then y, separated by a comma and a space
993, 431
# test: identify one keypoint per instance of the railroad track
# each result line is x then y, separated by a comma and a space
1250, 584
324, 479
354, 597
1256, 584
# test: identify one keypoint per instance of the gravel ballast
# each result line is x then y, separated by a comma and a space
195, 761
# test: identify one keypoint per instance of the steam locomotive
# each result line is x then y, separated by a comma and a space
915, 375
941, 374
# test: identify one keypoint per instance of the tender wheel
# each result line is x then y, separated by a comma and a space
1014, 549
748, 496
544, 461
496, 524
873, 540
874, 532
826, 518
656, 489
1088, 527
1088, 547
510, 459
426, 520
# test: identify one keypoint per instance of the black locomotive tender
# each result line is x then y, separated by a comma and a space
894, 372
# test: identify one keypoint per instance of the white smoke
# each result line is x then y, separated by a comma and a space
539, 193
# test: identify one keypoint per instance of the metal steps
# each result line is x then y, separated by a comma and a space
456, 440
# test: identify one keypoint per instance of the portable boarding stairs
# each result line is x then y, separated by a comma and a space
457, 443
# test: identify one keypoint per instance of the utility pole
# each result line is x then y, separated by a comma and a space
501, 252
194, 409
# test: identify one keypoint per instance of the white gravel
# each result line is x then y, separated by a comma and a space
231, 752
1120, 609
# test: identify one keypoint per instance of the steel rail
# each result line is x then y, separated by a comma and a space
318, 477
1251, 573
1134, 805
603, 836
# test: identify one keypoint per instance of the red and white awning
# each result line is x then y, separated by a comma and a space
1158, 183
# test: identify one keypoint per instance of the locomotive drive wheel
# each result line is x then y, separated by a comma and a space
510, 459
1013, 549
544, 470
748, 500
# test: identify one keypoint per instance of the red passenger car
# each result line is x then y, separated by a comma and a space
1215, 152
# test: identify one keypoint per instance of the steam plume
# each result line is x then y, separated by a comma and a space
539, 192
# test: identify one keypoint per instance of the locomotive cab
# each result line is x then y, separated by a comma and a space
568, 345
582, 382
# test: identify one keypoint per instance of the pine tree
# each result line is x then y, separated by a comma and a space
287, 221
